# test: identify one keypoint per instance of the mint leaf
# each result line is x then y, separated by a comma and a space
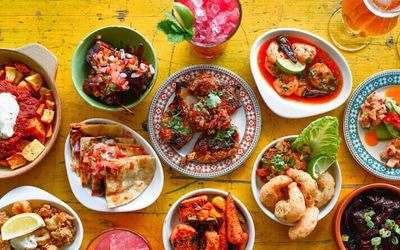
166, 27
176, 38
174, 31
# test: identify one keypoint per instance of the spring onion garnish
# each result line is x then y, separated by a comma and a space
396, 228
385, 233
376, 241
395, 240
369, 214
389, 224
370, 224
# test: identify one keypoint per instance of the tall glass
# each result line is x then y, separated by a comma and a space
352, 26
215, 23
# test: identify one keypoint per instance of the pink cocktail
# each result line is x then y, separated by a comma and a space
215, 22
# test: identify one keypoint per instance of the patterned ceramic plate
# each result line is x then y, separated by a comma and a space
247, 119
368, 156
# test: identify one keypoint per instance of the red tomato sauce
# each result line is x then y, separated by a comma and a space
27, 105
321, 57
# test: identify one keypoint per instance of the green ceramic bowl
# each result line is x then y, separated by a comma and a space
119, 37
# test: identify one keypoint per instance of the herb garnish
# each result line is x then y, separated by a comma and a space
176, 123
212, 100
179, 25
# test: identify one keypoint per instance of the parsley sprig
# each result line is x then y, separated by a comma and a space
176, 124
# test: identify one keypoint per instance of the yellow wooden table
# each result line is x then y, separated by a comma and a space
60, 25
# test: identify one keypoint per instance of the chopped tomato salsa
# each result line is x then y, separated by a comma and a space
28, 105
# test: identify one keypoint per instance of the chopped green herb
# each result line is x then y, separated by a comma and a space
313, 72
395, 240
345, 238
277, 161
369, 214
291, 162
396, 228
385, 233
212, 100
389, 224
370, 224
199, 106
223, 135
308, 60
176, 123
376, 241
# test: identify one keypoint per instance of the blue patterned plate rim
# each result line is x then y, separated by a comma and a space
350, 124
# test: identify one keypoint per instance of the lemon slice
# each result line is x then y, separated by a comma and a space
21, 224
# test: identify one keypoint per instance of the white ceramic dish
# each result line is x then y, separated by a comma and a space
84, 196
172, 217
290, 108
256, 185
37, 197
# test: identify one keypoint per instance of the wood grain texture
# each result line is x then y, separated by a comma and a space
60, 25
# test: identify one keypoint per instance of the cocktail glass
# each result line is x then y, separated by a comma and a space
216, 21
352, 26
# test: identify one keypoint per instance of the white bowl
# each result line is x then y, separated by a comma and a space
172, 217
97, 203
256, 185
290, 108
37, 197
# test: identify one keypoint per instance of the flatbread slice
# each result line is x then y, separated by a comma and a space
127, 178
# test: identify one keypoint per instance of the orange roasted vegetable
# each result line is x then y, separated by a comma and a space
223, 242
212, 240
242, 246
184, 237
234, 230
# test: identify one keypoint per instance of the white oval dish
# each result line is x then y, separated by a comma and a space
97, 203
290, 108
256, 185
172, 217
38, 196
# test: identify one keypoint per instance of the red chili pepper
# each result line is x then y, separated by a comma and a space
392, 118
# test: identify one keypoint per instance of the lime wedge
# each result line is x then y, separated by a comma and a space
183, 14
289, 67
318, 165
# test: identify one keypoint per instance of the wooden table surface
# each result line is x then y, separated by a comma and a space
60, 25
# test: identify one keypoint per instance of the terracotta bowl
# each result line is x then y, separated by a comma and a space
41, 60
345, 202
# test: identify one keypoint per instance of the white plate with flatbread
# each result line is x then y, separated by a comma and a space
98, 203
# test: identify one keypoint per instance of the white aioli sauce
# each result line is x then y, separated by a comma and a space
24, 242
9, 110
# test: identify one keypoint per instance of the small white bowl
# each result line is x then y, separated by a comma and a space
256, 185
172, 217
97, 203
290, 108
37, 197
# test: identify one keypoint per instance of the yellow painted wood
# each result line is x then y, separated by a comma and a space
60, 25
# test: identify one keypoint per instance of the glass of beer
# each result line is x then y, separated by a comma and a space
352, 26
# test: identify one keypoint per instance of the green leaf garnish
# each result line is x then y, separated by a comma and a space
176, 124
223, 135
320, 136
212, 100
174, 30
